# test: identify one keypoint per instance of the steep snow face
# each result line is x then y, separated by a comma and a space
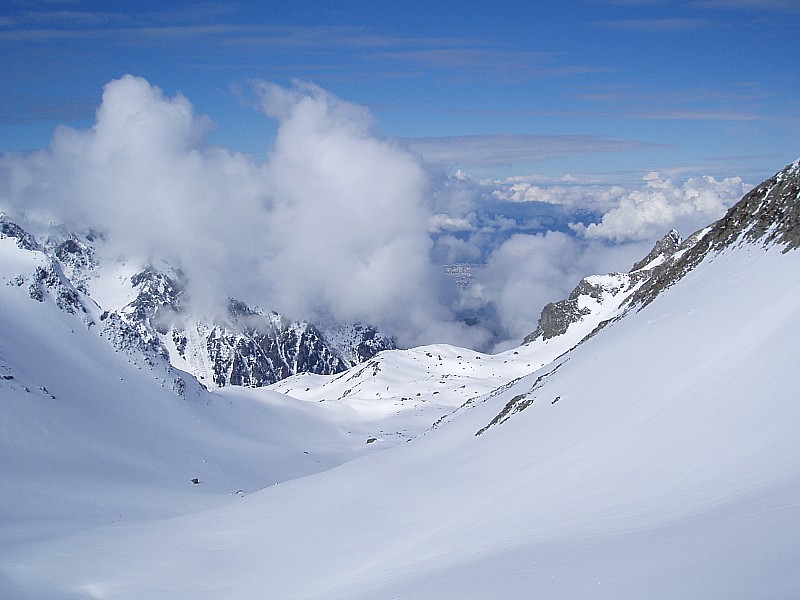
657, 459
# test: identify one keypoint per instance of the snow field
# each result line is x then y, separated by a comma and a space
660, 459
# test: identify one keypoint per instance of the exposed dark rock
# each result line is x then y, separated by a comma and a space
665, 247
769, 214
520, 402
556, 317
249, 347
77, 262
10, 229
246, 346
52, 279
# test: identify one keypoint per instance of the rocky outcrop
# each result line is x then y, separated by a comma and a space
769, 215
247, 346
11, 230
664, 248
51, 280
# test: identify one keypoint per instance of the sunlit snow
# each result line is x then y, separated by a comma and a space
657, 459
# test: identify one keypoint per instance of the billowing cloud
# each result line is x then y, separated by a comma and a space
349, 212
441, 222
334, 223
663, 204
449, 249
144, 175
340, 223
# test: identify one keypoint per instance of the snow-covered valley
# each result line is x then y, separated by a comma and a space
648, 446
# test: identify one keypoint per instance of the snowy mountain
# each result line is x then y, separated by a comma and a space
146, 309
643, 442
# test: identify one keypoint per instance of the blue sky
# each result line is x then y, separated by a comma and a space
603, 89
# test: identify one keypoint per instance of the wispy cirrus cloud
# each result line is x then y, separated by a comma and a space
213, 27
512, 149
700, 115
754, 5
73, 18
657, 25
737, 102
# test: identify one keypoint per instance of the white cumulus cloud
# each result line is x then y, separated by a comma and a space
334, 223
663, 204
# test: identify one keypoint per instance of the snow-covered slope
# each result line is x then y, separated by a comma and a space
92, 433
658, 458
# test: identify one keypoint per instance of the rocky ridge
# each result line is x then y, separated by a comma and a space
245, 346
769, 214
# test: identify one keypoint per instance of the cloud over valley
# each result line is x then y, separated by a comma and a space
338, 222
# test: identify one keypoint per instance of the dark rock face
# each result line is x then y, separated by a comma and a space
356, 343
77, 261
664, 248
368, 341
264, 348
556, 318
51, 279
160, 298
133, 337
247, 347
9, 229
769, 214
136, 328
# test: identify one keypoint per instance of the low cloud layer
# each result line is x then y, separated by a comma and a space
659, 204
641, 214
339, 223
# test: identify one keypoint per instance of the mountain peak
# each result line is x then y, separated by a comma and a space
10, 229
665, 247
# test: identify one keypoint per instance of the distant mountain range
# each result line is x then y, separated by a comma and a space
246, 345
